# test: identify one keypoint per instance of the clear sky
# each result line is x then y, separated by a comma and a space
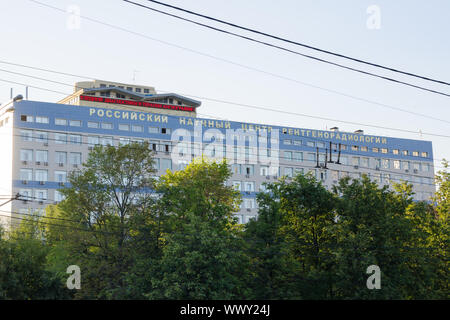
413, 36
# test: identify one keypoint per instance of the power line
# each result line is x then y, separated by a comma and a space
298, 43
273, 110
211, 99
291, 51
210, 56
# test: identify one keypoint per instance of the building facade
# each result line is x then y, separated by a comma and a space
42, 142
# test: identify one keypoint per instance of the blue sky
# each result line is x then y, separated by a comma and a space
414, 36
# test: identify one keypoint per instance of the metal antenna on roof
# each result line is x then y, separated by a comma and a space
134, 76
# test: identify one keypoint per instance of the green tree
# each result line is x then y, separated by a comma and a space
203, 257
293, 240
99, 216
24, 274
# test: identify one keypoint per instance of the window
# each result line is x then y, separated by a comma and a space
137, 128
405, 152
237, 185
75, 123
236, 168
424, 154
310, 143
166, 131
335, 175
41, 119
41, 136
61, 176
416, 166
343, 174
323, 175
386, 178
26, 155
355, 161
40, 194
298, 171
343, 160
288, 155
395, 151
289, 172
153, 129
298, 156
377, 177
60, 138
321, 144
415, 153
60, 157
377, 163
27, 135
248, 169
138, 90
385, 163
405, 165
298, 142
355, 148
311, 157
92, 124
264, 170
365, 162
26, 174
396, 164
75, 158
60, 122
124, 141
425, 167
124, 127
146, 91
166, 164
75, 139
249, 186
287, 141
156, 164
107, 125
26, 194
363, 148
249, 203
384, 150
375, 150
107, 141
58, 196
41, 175
26, 118
93, 141
42, 155
129, 88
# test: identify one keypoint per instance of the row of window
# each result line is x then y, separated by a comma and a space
321, 144
41, 175
41, 156
39, 195
138, 90
96, 125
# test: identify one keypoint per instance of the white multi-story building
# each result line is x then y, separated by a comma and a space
42, 142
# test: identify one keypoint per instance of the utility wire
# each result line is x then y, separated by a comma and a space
208, 55
211, 99
274, 110
298, 43
291, 51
